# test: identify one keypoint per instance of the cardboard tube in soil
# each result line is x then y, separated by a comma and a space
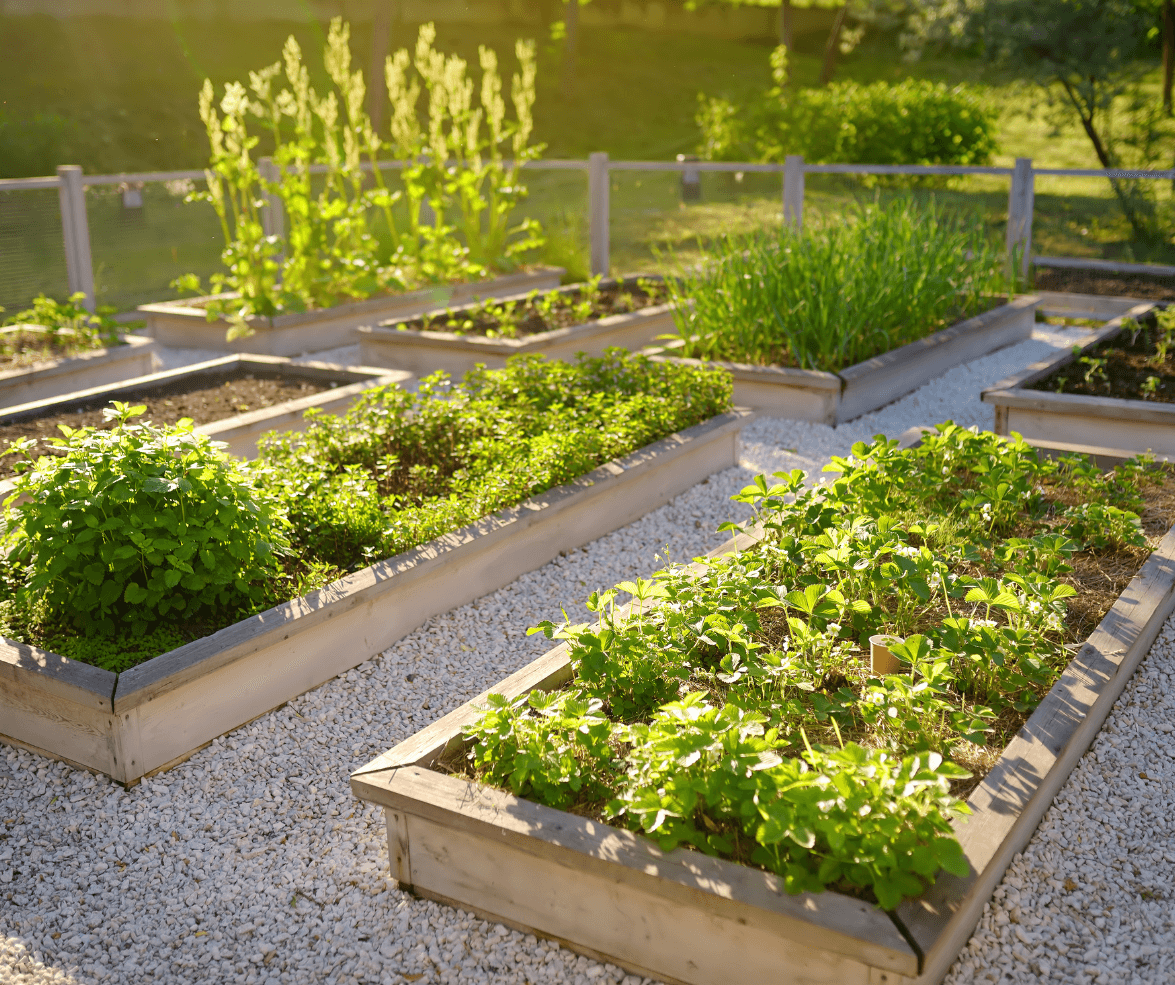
881, 661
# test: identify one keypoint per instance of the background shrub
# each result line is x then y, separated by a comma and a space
912, 122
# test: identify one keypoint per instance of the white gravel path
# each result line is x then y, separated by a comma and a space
252, 862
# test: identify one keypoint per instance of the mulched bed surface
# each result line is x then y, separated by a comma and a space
1113, 285
206, 398
1125, 372
611, 300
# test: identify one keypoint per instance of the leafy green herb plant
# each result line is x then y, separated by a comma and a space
733, 709
129, 526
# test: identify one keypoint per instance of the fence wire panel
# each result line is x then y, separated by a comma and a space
1084, 217
661, 220
558, 200
835, 197
32, 249
142, 239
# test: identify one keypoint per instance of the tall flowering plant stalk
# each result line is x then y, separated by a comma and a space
347, 233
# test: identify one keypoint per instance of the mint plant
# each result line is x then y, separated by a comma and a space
733, 709
129, 526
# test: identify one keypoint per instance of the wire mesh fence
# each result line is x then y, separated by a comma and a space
32, 253
143, 234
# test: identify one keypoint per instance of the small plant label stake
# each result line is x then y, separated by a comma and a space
881, 661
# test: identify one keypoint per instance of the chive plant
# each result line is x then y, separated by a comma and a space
846, 291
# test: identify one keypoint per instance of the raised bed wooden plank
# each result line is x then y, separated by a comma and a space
240, 432
181, 323
426, 351
1014, 796
881, 380
676, 915
1094, 307
87, 369
168, 707
51, 704
1108, 422
425, 809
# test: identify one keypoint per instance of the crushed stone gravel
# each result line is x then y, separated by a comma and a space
252, 862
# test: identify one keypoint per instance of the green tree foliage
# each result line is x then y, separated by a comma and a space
912, 122
1088, 56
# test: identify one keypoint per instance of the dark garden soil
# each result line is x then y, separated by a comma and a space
204, 399
1113, 285
542, 312
1122, 367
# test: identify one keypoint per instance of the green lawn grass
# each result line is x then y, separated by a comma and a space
129, 89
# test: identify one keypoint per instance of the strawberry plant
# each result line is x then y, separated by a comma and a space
733, 708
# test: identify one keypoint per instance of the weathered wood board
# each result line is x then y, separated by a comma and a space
183, 324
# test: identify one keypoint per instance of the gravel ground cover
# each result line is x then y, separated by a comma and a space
252, 862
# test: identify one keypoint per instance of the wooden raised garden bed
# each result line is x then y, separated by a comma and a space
163, 710
833, 398
422, 351
682, 916
1131, 426
87, 369
186, 324
329, 388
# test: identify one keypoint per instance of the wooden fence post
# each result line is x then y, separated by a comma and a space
79, 266
1020, 201
599, 186
793, 191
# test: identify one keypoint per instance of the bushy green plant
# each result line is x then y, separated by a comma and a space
69, 324
343, 239
836, 294
402, 468
733, 708
128, 526
911, 122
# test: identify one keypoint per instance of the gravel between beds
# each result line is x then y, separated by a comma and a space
252, 862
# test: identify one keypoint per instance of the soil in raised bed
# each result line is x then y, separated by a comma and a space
23, 349
542, 311
1109, 284
205, 398
1120, 367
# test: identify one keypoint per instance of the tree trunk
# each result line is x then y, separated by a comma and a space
785, 25
1124, 191
570, 43
377, 90
833, 47
1168, 51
